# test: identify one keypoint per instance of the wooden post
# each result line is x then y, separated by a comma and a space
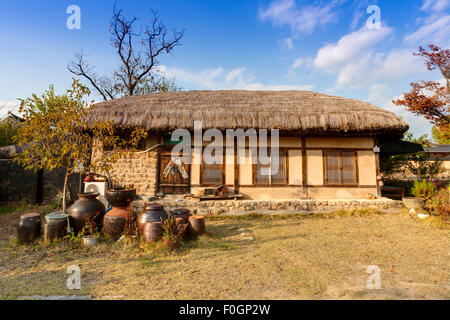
377, 164
304, 168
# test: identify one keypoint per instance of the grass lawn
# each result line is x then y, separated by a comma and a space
289, 258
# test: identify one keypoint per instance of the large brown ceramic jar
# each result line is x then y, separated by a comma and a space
115, 219
152, 212
114, 225
120, 198
86, 208
29, 227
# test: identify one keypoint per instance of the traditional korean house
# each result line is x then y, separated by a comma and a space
328, 146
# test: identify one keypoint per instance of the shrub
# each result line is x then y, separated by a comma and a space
170, 228
424, 189
439, 204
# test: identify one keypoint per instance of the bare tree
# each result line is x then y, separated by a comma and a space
139, 54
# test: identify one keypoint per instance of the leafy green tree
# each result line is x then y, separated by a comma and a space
414, 163
56, 134
8, 130
440, 136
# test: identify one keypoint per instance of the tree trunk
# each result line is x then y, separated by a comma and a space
64, 200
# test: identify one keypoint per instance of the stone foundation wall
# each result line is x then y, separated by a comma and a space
247, 206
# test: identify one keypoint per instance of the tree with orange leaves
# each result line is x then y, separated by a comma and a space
431, 99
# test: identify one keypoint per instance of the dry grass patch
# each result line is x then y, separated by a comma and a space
253, 257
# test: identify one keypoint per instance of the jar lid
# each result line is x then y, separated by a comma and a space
153, 206
30, 215
56, 216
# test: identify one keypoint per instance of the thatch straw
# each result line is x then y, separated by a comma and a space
10, 151
299, 111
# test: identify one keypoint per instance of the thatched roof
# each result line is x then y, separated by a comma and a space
299, 111
10, 151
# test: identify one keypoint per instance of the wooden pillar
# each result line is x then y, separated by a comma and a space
304, 169
377, 163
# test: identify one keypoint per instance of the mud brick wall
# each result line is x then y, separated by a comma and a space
137, 169
52, 184
19, 185
16, 184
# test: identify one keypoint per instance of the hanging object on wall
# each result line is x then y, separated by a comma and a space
175, 166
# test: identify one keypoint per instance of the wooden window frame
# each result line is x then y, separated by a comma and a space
340, 169
222, 173
285, 152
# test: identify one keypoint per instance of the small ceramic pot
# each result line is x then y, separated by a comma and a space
171, 244
413, 203
197, 225
90, 241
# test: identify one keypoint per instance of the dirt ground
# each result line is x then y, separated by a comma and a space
288, 257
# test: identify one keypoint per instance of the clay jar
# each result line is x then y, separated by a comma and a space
115, 219
152, 231
182, 227
152, 212
86, 208
120, 198
29, 227
182, 213
197, 225
55, 226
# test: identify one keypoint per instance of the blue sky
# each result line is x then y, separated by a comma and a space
324, 46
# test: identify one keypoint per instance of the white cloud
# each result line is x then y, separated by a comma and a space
6, 106
288, 43
401, 62
360, 8
281, 87
332, 57
437, 31
377, 93
355, 59
435, 26
305, 62
301, 19
435, 5
218, 78
233, 74
206, 78
298, 63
